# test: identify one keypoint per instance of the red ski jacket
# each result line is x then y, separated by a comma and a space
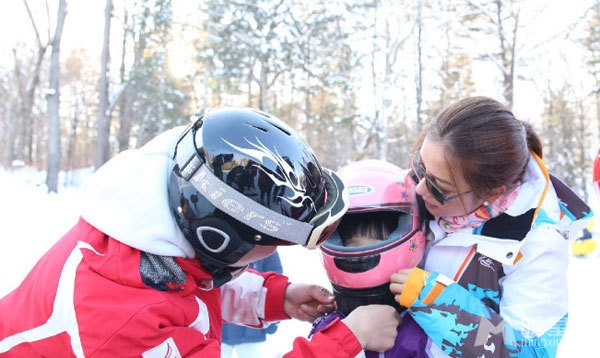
124, 281
86, 297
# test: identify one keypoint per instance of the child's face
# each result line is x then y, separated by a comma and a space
257, 253
361, 241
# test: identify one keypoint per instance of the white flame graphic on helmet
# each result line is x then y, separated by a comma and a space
290, 178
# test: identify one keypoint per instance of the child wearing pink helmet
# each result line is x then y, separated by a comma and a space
381, 233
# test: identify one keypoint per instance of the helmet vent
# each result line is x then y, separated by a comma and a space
283, 129
259, 128
354, 265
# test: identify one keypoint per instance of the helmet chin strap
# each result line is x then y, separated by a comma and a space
220, 270
221, 276
347, 299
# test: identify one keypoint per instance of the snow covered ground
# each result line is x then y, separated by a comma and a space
32, 220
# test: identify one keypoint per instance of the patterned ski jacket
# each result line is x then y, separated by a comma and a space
499, 290
124, 282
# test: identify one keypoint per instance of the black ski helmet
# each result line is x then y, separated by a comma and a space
243, 178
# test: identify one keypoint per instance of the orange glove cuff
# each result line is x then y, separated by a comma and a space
412, 286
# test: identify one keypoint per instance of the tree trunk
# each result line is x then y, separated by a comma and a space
103, 120
419, 66
53, 99
125, 102
24, 140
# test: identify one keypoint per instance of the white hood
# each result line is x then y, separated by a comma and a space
533, 190
127, 198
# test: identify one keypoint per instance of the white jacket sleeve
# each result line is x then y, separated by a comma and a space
243, 300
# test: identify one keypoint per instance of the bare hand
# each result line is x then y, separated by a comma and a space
306, 302
375, 326
398, 280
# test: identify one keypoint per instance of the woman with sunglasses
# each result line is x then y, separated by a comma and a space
494, 278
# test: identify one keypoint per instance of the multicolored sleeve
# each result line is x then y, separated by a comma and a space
463, 326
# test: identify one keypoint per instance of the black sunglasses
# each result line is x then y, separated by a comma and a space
437, 193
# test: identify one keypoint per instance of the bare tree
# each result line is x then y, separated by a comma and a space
565, 134
499, 18
53, 99
103, 119
419, 66
391, 31
455, 65
78, 98
125, 101
149, 98
592, 45
21, 141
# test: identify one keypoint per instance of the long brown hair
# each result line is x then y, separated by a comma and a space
484, 142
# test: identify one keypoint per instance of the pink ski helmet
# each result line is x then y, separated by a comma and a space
596, 174
360, 275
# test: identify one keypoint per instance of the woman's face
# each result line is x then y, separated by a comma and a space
433, 160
